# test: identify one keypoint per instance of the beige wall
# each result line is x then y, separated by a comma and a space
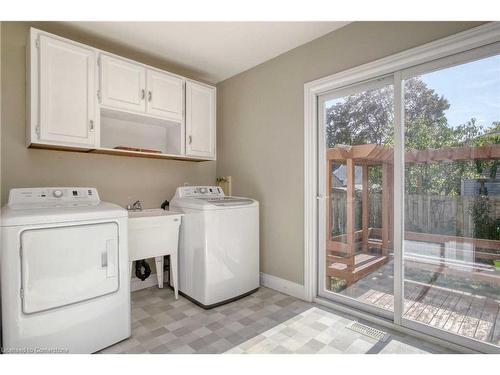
260, 130
119, 179
260, 125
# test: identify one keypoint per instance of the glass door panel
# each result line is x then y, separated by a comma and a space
452, 200
355, 153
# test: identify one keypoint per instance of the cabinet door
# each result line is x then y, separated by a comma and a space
123, 84
67, 93
164, 95
200, 120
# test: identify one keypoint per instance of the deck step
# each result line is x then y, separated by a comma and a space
358, 260
361, 270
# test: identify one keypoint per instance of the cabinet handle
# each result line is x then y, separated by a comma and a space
150, 95
143, 94
91, 125
190, 139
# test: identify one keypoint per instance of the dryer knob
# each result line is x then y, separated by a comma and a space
57, 193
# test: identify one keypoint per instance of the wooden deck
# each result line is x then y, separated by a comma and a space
467, 314
451, 282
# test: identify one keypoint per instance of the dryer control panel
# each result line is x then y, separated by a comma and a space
52, 197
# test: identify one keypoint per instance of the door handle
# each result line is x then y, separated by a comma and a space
318, 197
150, 95
143, 94
111, 257
104, 259
190, 139
91, 125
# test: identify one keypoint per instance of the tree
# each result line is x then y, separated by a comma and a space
368, 117
360, 118
438, 178
491, 136
486, 224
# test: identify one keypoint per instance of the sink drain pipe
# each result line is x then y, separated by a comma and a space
142, 269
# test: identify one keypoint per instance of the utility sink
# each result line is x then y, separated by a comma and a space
152, 233
151, 213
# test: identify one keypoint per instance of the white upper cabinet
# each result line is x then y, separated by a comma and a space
62, 93
165, 95
83, 98
133, 87
200, 120
123, 84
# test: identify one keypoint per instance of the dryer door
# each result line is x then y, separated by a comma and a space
65, 265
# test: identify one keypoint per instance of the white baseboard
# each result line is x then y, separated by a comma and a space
283, 286
138, 284
269, 281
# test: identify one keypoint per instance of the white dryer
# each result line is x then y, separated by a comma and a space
218, 245
65, 282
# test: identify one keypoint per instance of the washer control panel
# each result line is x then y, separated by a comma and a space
199, 191
53, 197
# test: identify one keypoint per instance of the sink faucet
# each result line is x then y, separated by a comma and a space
136, 206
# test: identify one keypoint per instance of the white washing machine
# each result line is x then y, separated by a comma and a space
218, 245
65, 284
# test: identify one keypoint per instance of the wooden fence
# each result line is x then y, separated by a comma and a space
435, 214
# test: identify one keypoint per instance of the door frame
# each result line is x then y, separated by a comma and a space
393, 65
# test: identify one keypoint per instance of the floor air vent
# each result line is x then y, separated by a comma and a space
368, 331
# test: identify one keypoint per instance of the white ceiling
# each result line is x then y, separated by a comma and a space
215, 50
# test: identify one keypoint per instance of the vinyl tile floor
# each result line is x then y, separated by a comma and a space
264, 322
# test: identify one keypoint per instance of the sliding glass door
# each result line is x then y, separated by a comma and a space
449, 253
356, 136
452, 198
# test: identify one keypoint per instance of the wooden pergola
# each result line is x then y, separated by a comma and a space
343, 259
354, 254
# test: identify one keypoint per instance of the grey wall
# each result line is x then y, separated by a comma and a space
260, 125
119, 179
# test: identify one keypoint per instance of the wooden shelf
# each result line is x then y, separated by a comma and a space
110, 151
139, 154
